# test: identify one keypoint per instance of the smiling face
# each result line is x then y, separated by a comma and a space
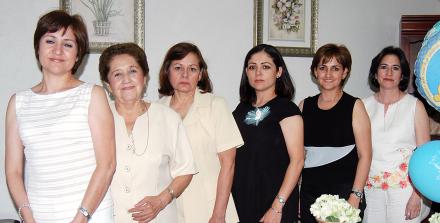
58, 52
184, 74
125, 78
330, 75
262, 72
389, 72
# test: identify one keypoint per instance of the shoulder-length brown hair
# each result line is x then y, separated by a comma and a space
178, 52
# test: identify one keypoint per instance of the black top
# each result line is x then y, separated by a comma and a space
328, 128
261, 163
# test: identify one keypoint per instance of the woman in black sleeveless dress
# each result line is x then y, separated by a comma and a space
337, 135
268, 166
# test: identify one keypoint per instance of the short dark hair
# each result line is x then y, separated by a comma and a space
178, 52
130, 49
61, 20
404, 65
283, 85
328, 51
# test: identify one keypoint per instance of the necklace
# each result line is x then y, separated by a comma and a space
132, 145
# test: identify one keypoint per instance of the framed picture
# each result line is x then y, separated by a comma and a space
289, 25
110, 21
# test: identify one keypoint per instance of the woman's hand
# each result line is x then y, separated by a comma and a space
79, 218
272, 216
149, 207
354, 200
217, 219
413, 206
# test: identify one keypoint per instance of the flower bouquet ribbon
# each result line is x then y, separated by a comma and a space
330, 208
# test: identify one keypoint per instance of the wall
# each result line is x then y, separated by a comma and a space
222, 29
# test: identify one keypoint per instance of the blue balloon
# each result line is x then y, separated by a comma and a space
426, 68
424, 170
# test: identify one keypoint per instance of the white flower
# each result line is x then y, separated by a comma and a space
286, 15
435, 218
331, 208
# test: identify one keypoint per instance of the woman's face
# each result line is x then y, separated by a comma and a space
126, 79
330, 75
262, 72
184, 74
57, 53
389, 72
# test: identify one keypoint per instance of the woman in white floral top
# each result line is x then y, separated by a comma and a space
399, 124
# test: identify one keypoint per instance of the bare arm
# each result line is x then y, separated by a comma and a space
301, 105
14, 162
362, 135
421, 125
224, 184
293, 132
103, 137
421, 122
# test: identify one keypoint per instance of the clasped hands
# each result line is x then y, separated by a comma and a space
148, 208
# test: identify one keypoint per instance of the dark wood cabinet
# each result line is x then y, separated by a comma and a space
413, 29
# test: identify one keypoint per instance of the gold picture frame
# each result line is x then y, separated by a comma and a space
121, 21
290, 26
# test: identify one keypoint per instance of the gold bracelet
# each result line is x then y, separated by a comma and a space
27, 205
171, 192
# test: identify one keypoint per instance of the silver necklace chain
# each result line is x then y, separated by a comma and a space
132, 146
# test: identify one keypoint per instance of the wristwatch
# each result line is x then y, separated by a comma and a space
357, 193
84, 212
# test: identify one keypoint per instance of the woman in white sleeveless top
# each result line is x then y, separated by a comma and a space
399, 124
62, 132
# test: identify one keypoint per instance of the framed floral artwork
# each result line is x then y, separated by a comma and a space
289, 25
110, 21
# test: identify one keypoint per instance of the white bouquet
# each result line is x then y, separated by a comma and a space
435, 218
331, 208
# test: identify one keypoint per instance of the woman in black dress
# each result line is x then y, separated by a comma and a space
268, 166
337, 134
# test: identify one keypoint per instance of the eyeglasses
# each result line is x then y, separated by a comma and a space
180, 69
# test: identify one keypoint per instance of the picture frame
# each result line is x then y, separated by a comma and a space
291, 26
110, 21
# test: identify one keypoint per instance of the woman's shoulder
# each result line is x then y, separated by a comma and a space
163, 113
349, 97
369, 100
284, 105
165, 100
410, 98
